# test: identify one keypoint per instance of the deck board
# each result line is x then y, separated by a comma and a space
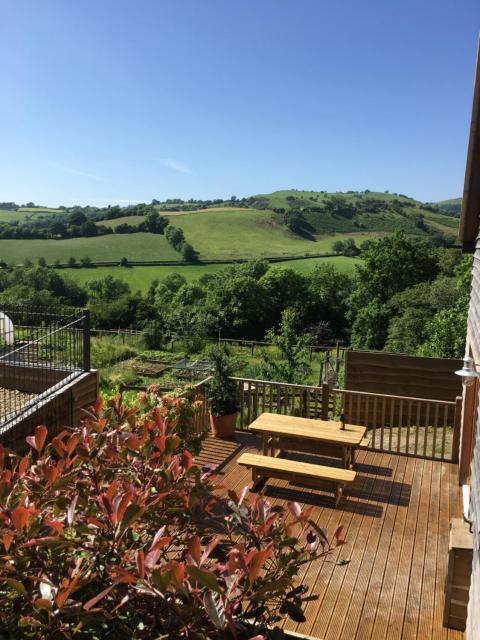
396, 521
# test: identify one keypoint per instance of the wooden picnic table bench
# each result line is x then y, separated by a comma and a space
321, 437
306, 473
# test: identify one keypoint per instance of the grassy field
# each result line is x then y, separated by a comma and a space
248, 233
25, 213
139, 278
133, 220
229, 233
215, 234
136, 246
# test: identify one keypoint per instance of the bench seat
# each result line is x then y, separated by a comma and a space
311, 474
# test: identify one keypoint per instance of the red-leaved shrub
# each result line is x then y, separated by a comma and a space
112, 531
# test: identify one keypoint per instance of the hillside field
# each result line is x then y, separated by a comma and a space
215, 235
139, 278
229, 232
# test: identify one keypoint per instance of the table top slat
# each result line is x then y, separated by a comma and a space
305, 428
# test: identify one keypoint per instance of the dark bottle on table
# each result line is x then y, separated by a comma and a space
342, 420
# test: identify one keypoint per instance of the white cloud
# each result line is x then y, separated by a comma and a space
82, 174
180, 167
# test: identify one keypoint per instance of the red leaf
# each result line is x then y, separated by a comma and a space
93, 601
244, 492
178, 572
209, 549
98, 405
71, 510
59, 446
338, 533
55, 525
195, 549
42, 603
62, 596
256, 563
161, 542
51, 474
187, 459
124, 502
23, 464
7, 539
71, 444
41, 433
141, 563
295, 509
20, 518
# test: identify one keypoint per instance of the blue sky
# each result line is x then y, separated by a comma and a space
122, 100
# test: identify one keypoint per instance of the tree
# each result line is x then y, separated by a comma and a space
188, 253
292, 366
77, 218
86, 262
42, 262
389, 265
154, 222
124, 262
327, 298
445, 334
175, 237
72, 261
89, 228
370, 327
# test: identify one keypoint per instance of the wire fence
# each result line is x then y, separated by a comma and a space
40, 351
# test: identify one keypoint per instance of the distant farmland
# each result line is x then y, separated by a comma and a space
139, 278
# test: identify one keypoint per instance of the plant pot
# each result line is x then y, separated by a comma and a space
223, 426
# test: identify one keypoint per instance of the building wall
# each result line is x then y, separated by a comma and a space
473, 342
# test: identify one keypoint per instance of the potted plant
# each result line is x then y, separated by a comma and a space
223, 395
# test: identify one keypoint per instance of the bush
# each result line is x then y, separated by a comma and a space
222, 390
112, 531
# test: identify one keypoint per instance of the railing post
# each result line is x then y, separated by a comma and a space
86, 340
325, 400
457, 425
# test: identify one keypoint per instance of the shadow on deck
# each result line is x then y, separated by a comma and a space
396, 521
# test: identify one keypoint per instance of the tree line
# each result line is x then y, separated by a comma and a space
405, 296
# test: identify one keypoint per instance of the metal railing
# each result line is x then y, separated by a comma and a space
418, 427
47, 351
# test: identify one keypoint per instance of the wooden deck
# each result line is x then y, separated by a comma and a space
396, 521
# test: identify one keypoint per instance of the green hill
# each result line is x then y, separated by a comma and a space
451, 207
353, 211
283, 223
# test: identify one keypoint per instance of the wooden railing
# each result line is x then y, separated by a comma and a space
258, 396
417, 427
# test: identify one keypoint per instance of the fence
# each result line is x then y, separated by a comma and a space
43, 352
417, 427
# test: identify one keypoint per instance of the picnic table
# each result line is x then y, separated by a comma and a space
322, 437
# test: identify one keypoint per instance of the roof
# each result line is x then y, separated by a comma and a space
469, 221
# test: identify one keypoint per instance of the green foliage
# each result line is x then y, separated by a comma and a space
292, 364
112, 530
445, 334
188, 252
221, 389
390, 265
108, 350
